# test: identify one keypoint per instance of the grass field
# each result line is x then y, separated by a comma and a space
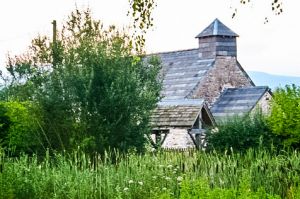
189, 174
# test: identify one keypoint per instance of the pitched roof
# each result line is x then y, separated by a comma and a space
237, 101
217, 28
182, 72
176, 113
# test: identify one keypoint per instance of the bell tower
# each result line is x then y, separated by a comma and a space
217, 40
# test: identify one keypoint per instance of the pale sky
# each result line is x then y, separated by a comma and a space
271, 47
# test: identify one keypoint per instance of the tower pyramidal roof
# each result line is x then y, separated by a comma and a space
217, 28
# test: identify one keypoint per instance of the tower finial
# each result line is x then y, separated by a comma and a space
217, 28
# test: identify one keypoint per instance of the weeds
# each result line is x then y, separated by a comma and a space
191, 174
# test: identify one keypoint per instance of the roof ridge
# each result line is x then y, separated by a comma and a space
173, 51
181, 102
249, 87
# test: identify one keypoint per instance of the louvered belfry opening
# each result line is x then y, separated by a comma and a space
217, 40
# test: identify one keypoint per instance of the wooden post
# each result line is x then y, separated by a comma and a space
54, 31
158, 139
54, 46
199, 141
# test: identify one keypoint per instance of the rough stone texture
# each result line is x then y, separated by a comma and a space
264, 104
226, 73
178, 139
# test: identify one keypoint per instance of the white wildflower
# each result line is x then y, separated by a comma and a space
168, 178
126, 188
130, 181
179, 178
221, 181
141, 183
215, 130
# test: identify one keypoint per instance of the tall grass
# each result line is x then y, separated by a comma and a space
151, 175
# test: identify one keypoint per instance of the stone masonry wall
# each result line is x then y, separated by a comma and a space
224, 74
264, 104
178, 139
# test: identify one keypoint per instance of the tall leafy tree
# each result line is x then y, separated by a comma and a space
92, 91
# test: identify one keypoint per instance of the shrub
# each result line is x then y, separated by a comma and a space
19, 129
4, 124
285, 116
241, 133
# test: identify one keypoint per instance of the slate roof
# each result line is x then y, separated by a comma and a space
217, 28
176, 113
182, 72
237, 101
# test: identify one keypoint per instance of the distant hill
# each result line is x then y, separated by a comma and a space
273, 81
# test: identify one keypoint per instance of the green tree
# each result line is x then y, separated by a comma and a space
92, 90
285, 116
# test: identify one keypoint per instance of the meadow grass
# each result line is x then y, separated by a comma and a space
189, 174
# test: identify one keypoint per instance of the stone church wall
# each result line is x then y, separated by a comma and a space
264, 104
224, 74
178, 139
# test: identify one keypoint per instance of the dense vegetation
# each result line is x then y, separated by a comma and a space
285, 116
254, 174
87, 88
241, 133
68, 101
280, 128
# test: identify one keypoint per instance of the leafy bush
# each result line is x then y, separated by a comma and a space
4, 125
285, 116
241, 133
19, 127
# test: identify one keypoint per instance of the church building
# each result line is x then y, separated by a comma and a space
201, 87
